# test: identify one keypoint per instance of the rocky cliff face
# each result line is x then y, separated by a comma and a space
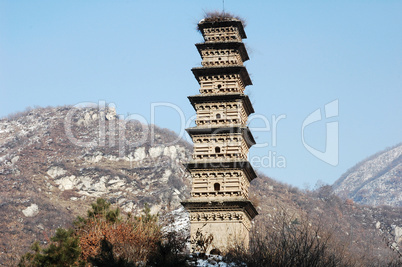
375, 181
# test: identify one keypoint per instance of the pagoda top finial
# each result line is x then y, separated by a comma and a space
222, 19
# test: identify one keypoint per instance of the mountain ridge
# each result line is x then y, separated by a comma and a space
376, 180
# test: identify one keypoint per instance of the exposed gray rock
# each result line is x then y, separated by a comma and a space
31, 211
375, 181
56, 171
398, 234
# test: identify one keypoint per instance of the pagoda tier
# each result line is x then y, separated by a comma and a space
229, 222
222, 110
222, 80
231, 143
217, 54
231, 180
218, 211
222, 31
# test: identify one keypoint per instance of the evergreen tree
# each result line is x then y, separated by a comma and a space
64, 250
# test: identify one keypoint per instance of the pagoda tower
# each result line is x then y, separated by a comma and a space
221, 174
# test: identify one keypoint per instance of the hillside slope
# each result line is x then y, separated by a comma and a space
54, 162
48, 178
375, 181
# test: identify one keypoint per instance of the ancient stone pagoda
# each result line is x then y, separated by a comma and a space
221, 174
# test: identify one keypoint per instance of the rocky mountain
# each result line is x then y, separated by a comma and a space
54, 162
375, 181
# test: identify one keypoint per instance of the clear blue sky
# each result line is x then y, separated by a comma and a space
303, 55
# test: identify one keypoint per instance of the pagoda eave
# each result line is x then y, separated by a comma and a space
219, 97
221, 205
223, 164
245, 131
224, 45
223, 23
234, 69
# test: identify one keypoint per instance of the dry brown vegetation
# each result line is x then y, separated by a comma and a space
218, 16
106, 238
294, 240
132, 238
350, 228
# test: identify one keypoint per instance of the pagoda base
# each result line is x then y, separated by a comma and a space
228, 222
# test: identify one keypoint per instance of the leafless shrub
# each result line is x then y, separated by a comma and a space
201, 241
18, 114
292, 241
218, 16
213, 16
172, 247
